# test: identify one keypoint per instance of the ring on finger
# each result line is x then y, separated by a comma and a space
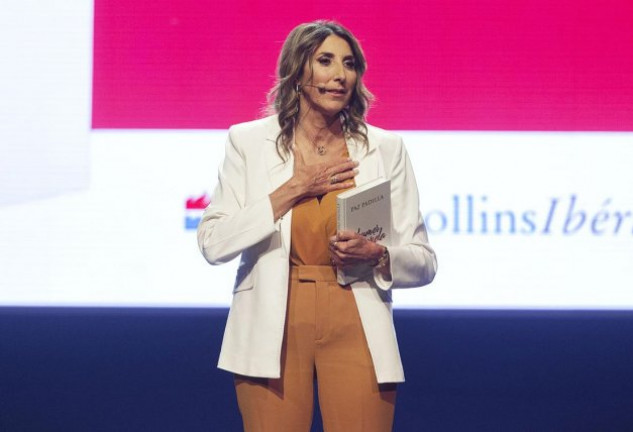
333, 179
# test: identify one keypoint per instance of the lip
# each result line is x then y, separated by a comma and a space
337, 92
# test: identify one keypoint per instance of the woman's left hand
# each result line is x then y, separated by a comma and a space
348, 248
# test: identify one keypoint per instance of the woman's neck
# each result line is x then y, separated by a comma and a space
317, 127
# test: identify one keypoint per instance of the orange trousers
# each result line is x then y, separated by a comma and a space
323, 342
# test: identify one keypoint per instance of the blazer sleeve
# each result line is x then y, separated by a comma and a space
230, 224
412, 259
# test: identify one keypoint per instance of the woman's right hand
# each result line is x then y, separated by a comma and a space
321, 178
312, 180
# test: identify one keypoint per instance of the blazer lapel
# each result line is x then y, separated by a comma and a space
279, 172
370, 166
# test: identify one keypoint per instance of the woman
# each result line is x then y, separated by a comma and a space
290, 323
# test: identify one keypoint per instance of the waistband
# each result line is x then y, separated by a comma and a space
314, 273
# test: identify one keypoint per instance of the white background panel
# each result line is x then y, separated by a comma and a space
45, 87
124, 242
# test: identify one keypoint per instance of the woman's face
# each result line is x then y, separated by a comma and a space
329, 77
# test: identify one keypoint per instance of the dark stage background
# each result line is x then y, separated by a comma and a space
77, 369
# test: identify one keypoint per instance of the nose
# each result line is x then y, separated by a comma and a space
340, 73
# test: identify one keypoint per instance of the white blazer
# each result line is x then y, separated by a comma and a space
239, 220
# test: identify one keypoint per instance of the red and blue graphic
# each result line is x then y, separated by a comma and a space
194, 207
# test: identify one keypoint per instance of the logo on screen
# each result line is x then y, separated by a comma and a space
194, 207
562, 215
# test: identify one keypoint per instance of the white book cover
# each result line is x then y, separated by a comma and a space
366, 210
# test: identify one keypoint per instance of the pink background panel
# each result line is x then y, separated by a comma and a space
433, 64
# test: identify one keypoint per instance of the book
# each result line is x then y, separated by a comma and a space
365, 209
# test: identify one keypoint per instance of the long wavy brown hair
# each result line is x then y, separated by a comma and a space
300, 45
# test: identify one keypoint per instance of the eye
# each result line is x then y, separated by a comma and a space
350, 64
325, 61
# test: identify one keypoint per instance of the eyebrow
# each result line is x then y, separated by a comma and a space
330, 55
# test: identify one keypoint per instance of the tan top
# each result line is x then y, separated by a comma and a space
313, 223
